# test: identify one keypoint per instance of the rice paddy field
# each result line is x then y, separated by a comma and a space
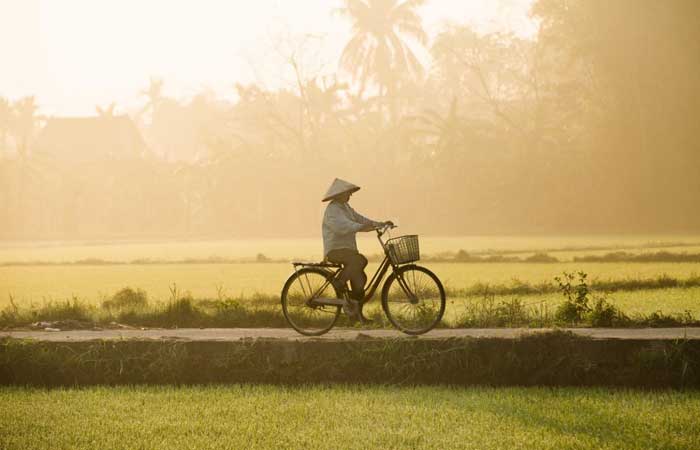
33, 284
311, 248
357, 417
37, 273
36, 283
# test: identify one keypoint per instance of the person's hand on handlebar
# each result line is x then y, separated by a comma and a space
381, 226
384, 227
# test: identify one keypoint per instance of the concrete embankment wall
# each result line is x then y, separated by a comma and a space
552, 359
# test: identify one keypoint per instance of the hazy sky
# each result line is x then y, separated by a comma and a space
76, 54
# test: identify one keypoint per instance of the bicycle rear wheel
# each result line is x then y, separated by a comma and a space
298, 306
413, 299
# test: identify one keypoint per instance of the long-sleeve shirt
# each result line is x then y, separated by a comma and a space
340, 223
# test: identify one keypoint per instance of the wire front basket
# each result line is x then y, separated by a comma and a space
403, 249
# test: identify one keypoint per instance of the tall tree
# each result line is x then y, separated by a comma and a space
5, 122
154, 93
25, 123
378, 51
630, 67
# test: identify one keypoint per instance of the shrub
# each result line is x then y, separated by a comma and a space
576, 304
605, 314
541, 258
464, 256
182, 312
513, 312
577, 307
229, 310
568, 312
127, 298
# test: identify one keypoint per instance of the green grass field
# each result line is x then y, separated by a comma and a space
347, 417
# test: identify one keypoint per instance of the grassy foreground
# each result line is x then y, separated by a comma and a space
347, 417
524, 306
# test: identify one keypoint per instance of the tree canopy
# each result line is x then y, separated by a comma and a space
589, 127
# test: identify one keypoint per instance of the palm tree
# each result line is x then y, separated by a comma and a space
25, 123
154, 94
378, 52
24, 126
446, 132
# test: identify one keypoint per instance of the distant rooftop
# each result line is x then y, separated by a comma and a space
90, 138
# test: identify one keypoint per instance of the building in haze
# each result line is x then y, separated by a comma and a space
90, 138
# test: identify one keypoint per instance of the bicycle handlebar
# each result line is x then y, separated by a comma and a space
384, 228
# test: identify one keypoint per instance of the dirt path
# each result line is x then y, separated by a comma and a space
235, 334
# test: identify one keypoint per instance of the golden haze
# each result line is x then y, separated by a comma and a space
588, 126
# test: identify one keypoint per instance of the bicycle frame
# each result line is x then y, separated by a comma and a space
376, 279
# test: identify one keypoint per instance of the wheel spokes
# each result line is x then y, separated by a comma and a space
299, 308
414, 301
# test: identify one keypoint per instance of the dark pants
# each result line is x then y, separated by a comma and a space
354, 264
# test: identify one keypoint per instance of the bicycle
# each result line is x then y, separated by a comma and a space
413, 297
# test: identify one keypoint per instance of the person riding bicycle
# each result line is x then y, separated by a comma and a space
340, 224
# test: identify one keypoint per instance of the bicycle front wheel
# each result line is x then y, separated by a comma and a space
413, 299
298, 306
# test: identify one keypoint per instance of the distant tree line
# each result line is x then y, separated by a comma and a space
591, 127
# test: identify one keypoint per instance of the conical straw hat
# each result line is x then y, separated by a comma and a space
339, 187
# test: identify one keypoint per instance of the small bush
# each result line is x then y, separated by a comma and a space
576, 304
568, 312
577, 307
464, 256
541, 258
513, 312
183, 313
127, 298
605, 314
